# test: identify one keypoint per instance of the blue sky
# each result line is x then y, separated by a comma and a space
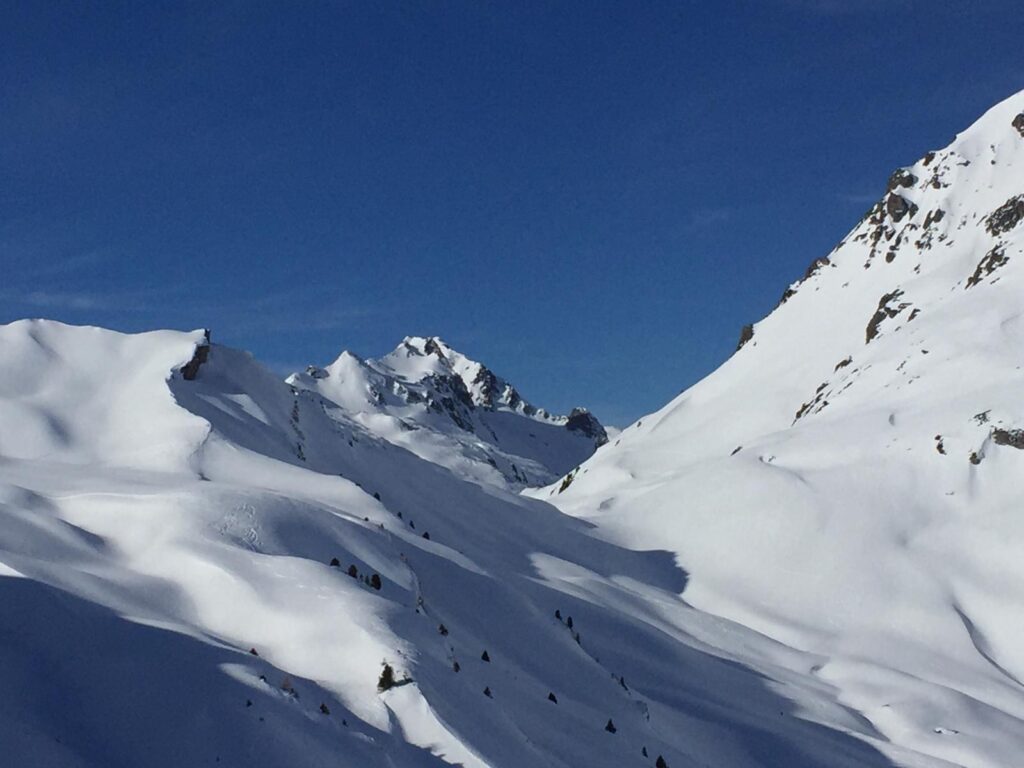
592, 197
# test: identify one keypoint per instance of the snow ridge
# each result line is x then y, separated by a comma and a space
846, 482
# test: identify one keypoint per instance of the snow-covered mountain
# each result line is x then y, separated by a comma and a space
446, 408
202, 564
850, 482
810, 558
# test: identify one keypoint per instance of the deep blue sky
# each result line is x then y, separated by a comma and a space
590, 197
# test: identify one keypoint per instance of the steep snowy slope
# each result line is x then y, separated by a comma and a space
849, 483
446, 408
234, 602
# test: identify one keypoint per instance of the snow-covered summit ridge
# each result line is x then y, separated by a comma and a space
455, 411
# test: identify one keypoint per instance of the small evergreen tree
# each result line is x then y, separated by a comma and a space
558, 614
387, 679
568, 622
485, 656
443, 630
610, 726
375, 581
456, 667
660, 762
323, 709
353, 571
487, 693
252, 652
552, 697
335, 562
426, 535
644, 751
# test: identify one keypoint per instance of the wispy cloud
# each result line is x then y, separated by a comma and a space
83, 301
709, 217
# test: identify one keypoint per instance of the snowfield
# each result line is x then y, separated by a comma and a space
810, 558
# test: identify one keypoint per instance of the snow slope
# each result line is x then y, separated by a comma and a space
849, 483
444, 407
186, 611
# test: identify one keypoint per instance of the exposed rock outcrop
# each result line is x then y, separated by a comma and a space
190, 370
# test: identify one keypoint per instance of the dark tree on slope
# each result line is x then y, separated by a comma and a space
375, 581
485, 656
387, 679
610, 727
552, 697
660, 762
487, 692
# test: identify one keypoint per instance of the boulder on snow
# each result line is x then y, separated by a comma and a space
897, 206
747, 333
1018, 123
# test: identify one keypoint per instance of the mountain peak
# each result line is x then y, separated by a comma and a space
424, 385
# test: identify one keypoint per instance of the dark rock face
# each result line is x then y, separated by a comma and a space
989, 264
583, 421
747, 333
200, 356
1006, 217
901, 177
316, 372
934, 217
1011, 437
1018, 123
898, 206
488, 383
432, 348
887, 308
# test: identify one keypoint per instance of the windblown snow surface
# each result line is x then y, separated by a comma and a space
842, 590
